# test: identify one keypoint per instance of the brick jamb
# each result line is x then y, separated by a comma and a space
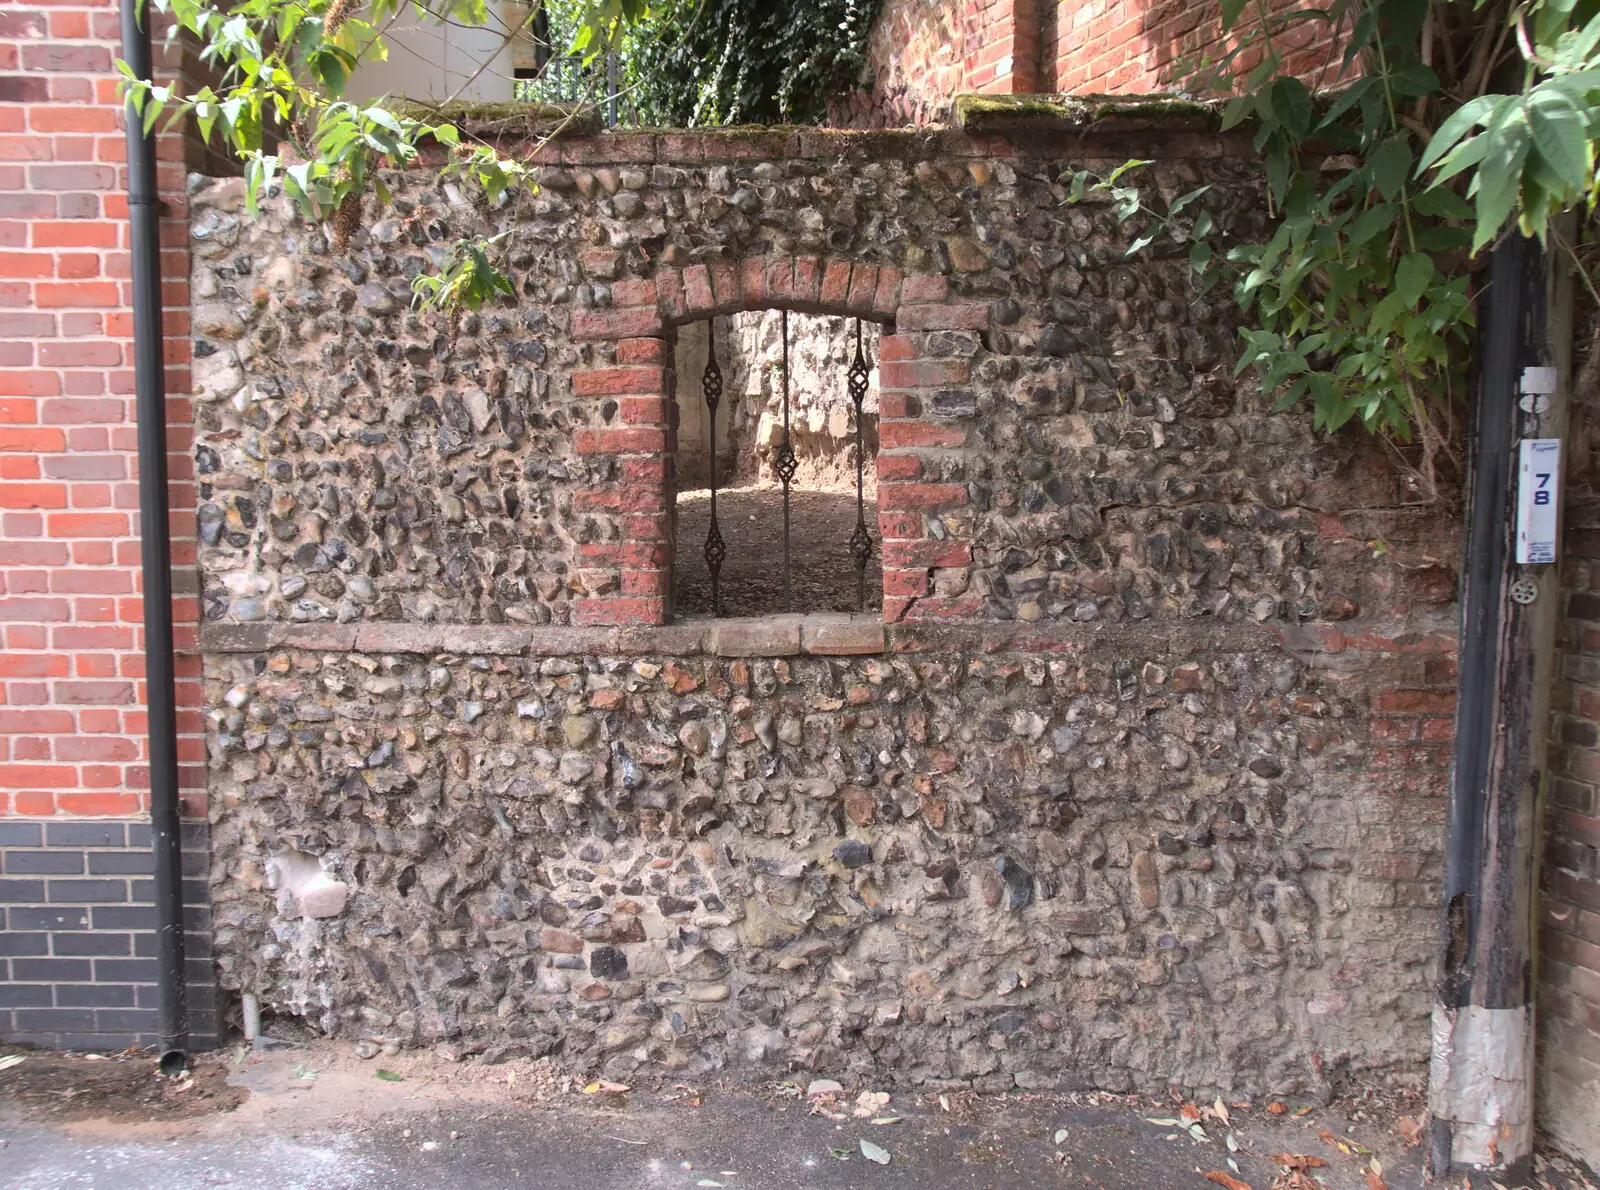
634, 338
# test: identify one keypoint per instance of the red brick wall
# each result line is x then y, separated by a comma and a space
72, 696
1133, 47
925, 52
1569, 962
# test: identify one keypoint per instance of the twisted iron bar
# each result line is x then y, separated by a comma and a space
716, 550
860, 540
785, 464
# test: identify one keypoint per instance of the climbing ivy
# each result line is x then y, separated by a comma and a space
699, 62
1455, 123
715, 62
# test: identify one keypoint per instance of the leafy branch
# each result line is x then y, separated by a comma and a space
275, 103
1385, 191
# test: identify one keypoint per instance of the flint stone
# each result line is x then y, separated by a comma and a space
376, 299
607, 962
853, 853
1018, 882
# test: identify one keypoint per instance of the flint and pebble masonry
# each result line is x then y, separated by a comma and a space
1139, 780
1114, 477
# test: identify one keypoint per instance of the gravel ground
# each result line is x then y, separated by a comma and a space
751, 520
319, 1118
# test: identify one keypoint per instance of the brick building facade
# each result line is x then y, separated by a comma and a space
925, 52
72, 723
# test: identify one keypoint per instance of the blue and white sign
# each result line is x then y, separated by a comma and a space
1538, 498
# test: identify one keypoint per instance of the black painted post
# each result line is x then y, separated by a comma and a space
1481, 1083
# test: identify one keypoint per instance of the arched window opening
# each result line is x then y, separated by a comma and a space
776, 507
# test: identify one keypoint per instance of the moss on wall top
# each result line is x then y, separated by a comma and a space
506, 118
1045, 113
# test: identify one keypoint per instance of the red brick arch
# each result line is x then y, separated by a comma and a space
642, 436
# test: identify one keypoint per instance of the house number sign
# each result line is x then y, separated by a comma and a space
1538, 482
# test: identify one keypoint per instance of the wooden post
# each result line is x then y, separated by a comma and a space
1481, 1094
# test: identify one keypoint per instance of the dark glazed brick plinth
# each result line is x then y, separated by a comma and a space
77, 953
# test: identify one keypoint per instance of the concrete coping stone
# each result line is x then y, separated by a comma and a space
820, 633
826, 634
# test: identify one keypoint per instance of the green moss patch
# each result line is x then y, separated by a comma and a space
504, 118
1043, 113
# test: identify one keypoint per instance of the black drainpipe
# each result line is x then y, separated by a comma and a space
144, 218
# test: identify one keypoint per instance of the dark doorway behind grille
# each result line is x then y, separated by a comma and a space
746, 409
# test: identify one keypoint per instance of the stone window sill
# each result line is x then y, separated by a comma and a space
826, 634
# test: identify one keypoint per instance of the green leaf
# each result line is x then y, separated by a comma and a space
1461, 158
1412, 276
1465, 118
1292, 102
1372, 221
1500, 175
1444, 238
1384, 314
1231, 10
1199, 256
388, 1076
384, 119
1348, 98
1115, 175
1361, 35
1279, 164
1560, 133
1440, 202
1391, 165
1414, 81
1184, 200
1237, 110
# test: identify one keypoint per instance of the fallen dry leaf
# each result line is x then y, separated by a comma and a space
1410, 1129
1189, 1113
1296, 1180
1298, 1161
1228, 1180
1220, 1109
875, 1153
1375, 1178
1276, 1108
